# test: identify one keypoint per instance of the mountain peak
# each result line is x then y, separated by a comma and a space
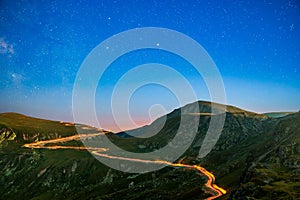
205, 108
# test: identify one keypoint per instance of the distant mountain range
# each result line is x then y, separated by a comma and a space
278, 114
256, 157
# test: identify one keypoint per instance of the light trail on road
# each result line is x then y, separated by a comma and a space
215, 190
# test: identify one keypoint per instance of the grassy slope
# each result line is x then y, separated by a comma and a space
245, 137
70, 174
29, 128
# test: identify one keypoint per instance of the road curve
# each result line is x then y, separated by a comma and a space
213, 189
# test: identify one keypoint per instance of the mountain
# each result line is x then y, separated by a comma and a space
256, 157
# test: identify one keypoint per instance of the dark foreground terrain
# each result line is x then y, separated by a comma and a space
256, 157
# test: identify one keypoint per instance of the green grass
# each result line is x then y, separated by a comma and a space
30, 126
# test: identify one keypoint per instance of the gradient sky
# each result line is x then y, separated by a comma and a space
255, 45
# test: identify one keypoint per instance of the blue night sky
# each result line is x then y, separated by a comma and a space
255, 45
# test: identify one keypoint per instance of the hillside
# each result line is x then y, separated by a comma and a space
256, 157
275, 174
28, 129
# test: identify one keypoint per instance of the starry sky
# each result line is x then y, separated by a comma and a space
255, 45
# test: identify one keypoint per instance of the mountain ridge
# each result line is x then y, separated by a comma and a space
272, 144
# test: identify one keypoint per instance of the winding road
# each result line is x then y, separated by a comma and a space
213, 189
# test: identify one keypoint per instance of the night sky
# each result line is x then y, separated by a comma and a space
255, 45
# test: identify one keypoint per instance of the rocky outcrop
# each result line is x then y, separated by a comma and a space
276, 175
7, 134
